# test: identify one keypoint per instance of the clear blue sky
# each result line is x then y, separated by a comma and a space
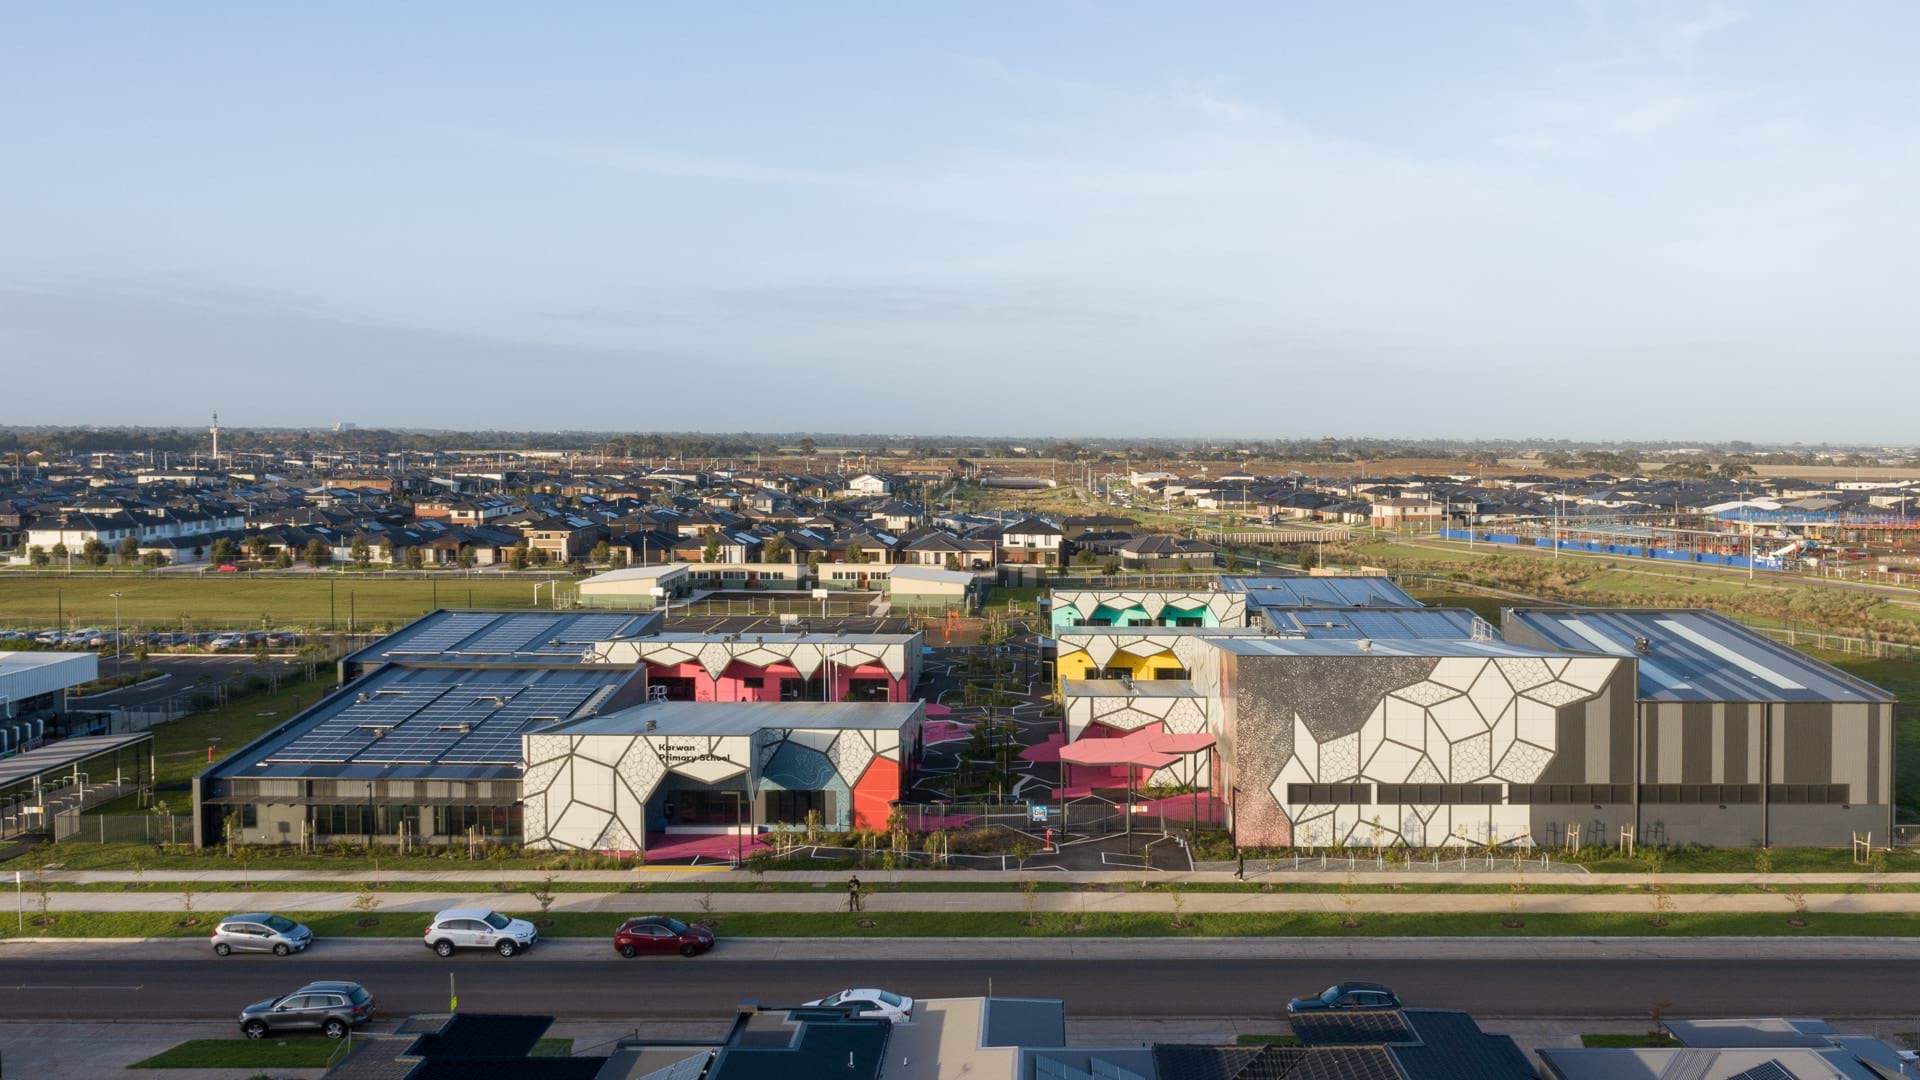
1685, 220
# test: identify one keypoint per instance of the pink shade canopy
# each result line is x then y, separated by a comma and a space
1141, 749
937, 709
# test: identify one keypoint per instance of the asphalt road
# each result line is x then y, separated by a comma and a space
138, 983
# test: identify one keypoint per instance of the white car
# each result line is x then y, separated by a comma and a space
871, 1004
479, 928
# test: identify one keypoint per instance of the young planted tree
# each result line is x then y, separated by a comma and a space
317, 553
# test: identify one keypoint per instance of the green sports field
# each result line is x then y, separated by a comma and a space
223, 602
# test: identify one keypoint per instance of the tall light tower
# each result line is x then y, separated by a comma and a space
215, 432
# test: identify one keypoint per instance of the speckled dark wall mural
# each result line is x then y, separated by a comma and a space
1338, 693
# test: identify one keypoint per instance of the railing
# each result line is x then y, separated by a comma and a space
75, 828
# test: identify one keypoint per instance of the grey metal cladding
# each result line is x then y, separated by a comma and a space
1696, 743
1808, 738
1735, 731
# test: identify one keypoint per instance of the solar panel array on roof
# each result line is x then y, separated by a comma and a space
471, 636
442, 634
474, 722
344, 734
588, 629
512, 635
496, 739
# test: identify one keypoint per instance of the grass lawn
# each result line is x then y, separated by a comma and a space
409, 925
228, 601
180, 748
1636, 1040
311, 1051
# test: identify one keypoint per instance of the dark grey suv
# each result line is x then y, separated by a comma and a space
331, 1008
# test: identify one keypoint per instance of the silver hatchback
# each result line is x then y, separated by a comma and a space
260, 932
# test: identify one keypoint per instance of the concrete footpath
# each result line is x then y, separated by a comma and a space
1502, 873
1078, 902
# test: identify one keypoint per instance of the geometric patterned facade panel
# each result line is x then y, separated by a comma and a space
806, 653
591, 792
1469, 721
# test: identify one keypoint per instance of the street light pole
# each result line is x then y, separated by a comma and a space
116, 627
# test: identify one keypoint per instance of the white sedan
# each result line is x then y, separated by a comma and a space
871, 1004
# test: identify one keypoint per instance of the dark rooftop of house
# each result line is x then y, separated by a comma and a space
462, 1046
1399, 1044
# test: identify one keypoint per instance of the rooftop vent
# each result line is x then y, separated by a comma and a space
1642, 646
1363, 644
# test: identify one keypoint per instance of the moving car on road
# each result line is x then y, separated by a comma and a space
660, 934
331, 1008
871, 1004
1346, 996
479, 928
260, 932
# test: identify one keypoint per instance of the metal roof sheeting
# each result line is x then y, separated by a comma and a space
26, 675
1444, 623
497, 636
1292, 592
1697, 655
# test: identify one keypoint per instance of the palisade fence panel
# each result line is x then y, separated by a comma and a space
153, 829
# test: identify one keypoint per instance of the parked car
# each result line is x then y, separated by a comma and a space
660, 934
227, 641
1346, 996
479, 928
260, 932
871, 1004
331, 1008
12, 635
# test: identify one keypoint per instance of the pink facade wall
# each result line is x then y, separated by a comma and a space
731, 685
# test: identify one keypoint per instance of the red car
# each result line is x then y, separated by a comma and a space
660, 934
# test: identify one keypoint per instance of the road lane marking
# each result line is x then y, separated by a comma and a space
26, 987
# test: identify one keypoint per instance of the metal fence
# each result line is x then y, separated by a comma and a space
123, 829
1792, 635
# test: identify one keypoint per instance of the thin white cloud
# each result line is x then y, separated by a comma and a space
663, 162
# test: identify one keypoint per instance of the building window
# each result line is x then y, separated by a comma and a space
1327, 794
1172, 673
1442, 794
753, 682
249, 816
1568, 794
1795, 794
487, 820
791, 807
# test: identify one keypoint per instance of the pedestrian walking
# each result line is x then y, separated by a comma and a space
853, 893
1239, 865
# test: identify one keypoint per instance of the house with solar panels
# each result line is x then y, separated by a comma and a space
1736, 739
547, 729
